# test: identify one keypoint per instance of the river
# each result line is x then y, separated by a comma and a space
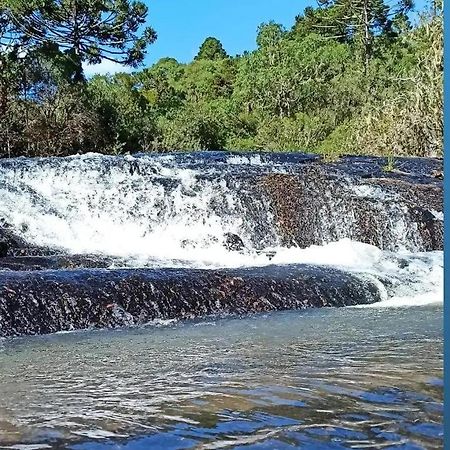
329, 378
146, 268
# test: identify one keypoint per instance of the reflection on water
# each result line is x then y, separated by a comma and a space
336, 378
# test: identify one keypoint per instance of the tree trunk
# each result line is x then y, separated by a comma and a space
367, 37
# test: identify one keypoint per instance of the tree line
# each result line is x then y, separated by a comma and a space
350, 76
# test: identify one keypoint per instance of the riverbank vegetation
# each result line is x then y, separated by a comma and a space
350, 76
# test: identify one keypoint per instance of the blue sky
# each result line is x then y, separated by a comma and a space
182, 26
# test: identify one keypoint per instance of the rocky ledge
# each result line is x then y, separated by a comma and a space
358, 198
48, 301
44, 290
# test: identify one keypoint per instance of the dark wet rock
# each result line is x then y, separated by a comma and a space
327, 202
10, 240
56, 262
269, 254
48, 301
12, 245
30, 251
425, 195
3, 249
233, 242
430, 228
187, 243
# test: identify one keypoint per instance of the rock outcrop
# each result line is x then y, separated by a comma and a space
356, 199
40, 302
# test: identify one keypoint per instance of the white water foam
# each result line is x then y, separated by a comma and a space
413, 279
162, 215
254, 160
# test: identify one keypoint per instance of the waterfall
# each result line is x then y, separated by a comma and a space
170, 208
219, 210
137, 207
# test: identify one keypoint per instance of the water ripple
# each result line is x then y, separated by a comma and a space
330, 379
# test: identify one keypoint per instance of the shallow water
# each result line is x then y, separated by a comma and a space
331, 378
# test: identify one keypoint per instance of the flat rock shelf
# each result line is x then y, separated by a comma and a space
50, 301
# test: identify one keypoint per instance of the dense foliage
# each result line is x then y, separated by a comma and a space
351, 76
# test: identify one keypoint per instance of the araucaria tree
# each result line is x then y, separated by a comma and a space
86, 30
359, 22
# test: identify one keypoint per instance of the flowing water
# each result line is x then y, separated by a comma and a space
330, 378
164, 209
365, 377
